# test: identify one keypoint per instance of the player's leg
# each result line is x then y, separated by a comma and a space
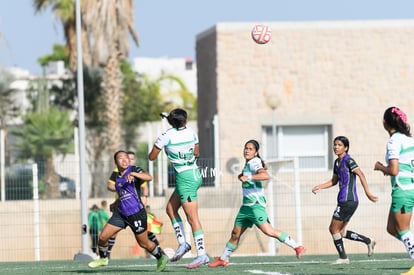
230, 247
173, 205
283, 237
399, 218
111, 243
354, 236
190, 183
336, 228
108, 231
141, 236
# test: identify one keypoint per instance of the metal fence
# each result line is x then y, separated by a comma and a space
50, 229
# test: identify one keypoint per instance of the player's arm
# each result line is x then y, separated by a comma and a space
154, 153
144, 193
327, 184
364, 184
390, 170
196, 150
111, 186
142, 175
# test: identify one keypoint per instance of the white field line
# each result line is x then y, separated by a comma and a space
266, 272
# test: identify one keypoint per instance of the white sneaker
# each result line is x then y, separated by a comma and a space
371, 246
341, 261
181, 250
199, 260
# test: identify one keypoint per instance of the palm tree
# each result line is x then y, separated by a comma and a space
106, 26
44, 133
181, 97
65, 11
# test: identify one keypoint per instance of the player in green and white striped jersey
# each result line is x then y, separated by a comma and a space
400, 166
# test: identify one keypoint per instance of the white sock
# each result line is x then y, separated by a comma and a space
199, 242
179, 231
408, 240
286, 239
228, 250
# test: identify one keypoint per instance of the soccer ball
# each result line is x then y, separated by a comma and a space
261, 34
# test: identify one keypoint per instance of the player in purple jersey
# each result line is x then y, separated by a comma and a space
130, 212
344, 174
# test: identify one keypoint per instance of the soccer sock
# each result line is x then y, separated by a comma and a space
199, 242
178, 226
357, 237
157, 252
103, 251
111, 243
286, 239
339, 244
230, 248
407, 237
153, 238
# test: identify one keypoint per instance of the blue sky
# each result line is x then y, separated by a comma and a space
169, 27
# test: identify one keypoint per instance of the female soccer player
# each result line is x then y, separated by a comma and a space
344, 172
130, 212
400, 167
181, 146
253, 210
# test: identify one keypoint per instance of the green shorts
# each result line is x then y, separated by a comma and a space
187, 184
402, 200
251, 215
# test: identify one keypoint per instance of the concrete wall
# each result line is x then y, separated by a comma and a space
306, 220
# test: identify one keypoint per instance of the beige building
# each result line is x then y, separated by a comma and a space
327, 78
313, 81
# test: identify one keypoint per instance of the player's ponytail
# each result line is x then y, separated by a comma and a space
177, 118
396, 119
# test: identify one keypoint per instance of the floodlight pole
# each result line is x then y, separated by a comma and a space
81, 126
272, 101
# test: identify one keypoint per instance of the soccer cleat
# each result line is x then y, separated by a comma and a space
218, 262
409, 272
199, 260
181, 250
162, 262
341, 261
300, 250
98, 262
371, 246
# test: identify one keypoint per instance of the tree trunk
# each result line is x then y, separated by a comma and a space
112, 91
52, 180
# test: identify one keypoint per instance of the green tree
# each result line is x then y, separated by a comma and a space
58, 54
65, 96
141, 102
181, 97
42, 134
106, 26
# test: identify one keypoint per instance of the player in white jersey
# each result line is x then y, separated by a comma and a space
180, 144
400, 167
253, 209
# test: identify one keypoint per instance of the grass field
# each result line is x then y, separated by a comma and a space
379, 264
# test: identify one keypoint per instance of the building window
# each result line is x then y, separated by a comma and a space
310, 143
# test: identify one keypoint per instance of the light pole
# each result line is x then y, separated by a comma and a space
273, 102
81, 125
